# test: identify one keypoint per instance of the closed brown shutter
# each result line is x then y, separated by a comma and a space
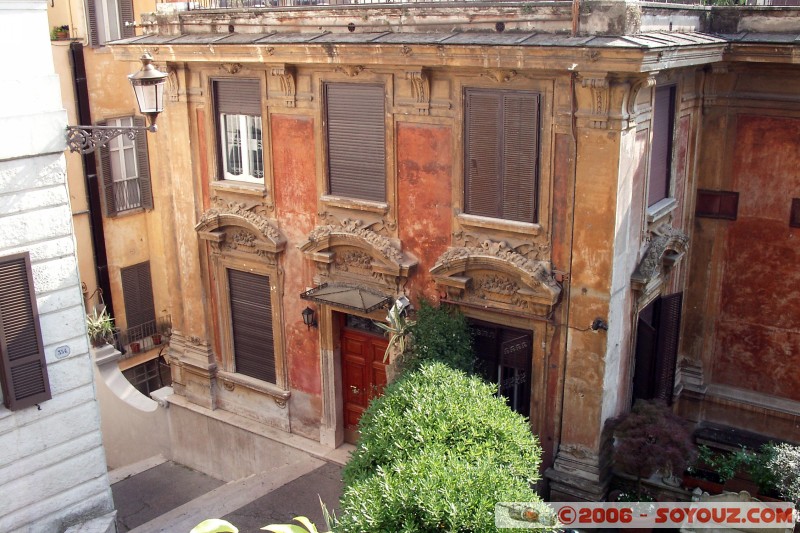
356, 132
251, 320
23, 369
125, 18
238, 96
483, 187
520, 156
143, 164
669, 325
94, 38
106, 178
501, 154
137, 291
644, 369
663, 124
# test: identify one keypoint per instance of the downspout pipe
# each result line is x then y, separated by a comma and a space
90, 176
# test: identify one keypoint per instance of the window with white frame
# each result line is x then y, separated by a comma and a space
242, 147
124, 169
240, 143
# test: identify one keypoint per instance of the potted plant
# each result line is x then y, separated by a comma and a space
100, 327
136, 347
59, 32
776, 471
156, 338
649, 439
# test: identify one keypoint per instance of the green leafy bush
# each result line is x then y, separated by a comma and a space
437, 451
440, 334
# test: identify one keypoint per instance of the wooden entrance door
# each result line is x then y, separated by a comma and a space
363, 374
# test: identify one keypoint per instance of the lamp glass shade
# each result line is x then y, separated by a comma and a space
148, 85
308, 316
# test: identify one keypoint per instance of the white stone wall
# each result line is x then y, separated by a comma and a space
52, 463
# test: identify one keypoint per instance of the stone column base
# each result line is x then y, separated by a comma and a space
578, 476
194, 370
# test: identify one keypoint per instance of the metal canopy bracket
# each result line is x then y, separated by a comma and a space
347, 296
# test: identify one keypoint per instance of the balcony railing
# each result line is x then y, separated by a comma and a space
127, 194
144, 337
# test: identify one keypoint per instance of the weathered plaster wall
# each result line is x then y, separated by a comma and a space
295, 204
758, 336
424, 173
52, 468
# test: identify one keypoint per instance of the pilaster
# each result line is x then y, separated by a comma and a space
194, 370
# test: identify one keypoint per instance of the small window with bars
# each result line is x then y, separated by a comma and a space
241, 145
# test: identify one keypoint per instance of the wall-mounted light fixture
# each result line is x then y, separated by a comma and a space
148, 85
308, 318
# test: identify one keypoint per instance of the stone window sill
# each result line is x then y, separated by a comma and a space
232, 378
239, 187
355, 204
475, 221
660, 211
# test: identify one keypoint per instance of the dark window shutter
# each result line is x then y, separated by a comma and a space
356, 131
501, 154
482, 187
94, 38
717, 204
644, 366
126, 16
23, 368
251, 320
238, 96
794, 213
669, 325
143, 164
106, 179
520, 151
137, 291
663, 125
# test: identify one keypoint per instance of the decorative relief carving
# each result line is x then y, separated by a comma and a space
600, 100
220, 208
228, 385
350, 70
353, 260
231, 68
500, 250
406, 50
636, 87
500, 76
420, 89
495, 272
280, 402
270, 50
354, 227
240, 239
173, 85
286, 74
667, 245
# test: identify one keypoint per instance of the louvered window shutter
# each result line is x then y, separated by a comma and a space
137, 291
663, 123
143, 164
251, 320
239, 96
23, 369
669, 325
356, 131
482, 164
501, 154
106, 178
94, 38
520, 156
126, 18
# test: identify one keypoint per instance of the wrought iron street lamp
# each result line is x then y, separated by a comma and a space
148, 84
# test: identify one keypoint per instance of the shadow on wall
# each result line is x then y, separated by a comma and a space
134, 426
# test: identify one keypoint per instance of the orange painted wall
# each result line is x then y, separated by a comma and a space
296, 206
424, 175
758, 330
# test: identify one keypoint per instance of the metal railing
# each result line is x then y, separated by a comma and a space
144, 337
127, 194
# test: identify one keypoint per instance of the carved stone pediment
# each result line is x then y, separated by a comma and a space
667, 247
493, 274
230, 226
351, 251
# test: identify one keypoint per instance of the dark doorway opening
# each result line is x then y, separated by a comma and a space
503, 356
657, 336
